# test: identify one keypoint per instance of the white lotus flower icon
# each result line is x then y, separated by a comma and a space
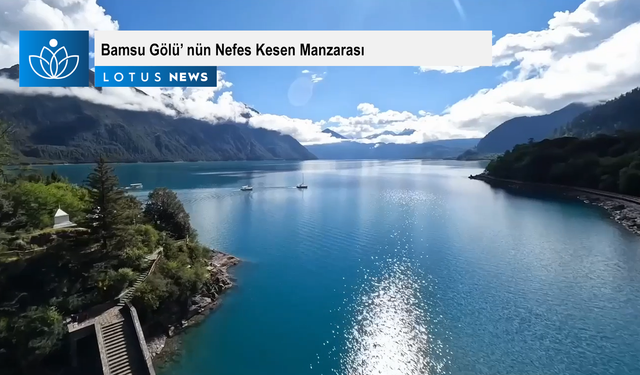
54, 65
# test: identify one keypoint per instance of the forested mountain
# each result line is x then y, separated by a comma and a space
67, 129
622, 113
599, 159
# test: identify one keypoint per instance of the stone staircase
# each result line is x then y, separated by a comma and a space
122, 349
121, 342
128, 293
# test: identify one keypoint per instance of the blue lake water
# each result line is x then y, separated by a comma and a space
402, 268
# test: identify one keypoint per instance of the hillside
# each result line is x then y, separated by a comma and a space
442, 149
67, 129
598, 159
622, 113
520, 129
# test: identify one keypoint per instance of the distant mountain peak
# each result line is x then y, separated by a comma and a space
406, 132
334, 134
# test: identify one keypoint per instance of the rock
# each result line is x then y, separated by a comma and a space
201, 301
156, 344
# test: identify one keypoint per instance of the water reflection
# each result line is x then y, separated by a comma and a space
391, 327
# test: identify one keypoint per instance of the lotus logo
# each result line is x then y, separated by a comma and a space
54, 65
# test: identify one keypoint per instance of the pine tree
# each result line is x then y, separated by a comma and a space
107, 200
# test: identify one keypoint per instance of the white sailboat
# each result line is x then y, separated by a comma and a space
302, 185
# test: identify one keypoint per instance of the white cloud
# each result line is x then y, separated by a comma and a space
567, 33
315, 77
588, 55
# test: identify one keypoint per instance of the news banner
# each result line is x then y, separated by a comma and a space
190, 58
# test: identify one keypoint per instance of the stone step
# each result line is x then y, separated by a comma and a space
119, 365
116, 350
115, 334
112, 331
110, 345
126, 371
112, 326
119, 357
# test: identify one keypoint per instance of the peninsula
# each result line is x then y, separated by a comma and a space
89, 275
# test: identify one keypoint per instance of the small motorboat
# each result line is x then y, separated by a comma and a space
135, 186
246, 188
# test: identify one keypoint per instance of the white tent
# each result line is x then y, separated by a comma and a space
61, 220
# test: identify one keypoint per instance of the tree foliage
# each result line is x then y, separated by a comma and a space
182, 272
164, 210
36, 202
106, 212
605, 162
35, 333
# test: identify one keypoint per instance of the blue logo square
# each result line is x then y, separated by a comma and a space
54, 58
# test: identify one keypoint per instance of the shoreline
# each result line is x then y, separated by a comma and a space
624, 210
166, 347
60, 164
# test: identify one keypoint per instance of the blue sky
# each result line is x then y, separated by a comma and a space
546, 55
343, 88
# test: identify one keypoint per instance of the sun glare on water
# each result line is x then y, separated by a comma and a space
391, 330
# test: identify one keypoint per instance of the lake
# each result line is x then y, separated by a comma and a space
401, 267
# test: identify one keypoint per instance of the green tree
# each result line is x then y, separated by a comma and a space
37, 333
167, 214
132, 210
54, 177
106, 212
36, 203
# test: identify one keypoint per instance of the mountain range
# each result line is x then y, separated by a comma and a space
520, 130
621, 114
390, 133
352, 149
68, 129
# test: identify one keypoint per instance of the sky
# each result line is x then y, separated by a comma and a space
546, 55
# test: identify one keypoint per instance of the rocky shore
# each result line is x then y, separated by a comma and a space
165, 347
623, 212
